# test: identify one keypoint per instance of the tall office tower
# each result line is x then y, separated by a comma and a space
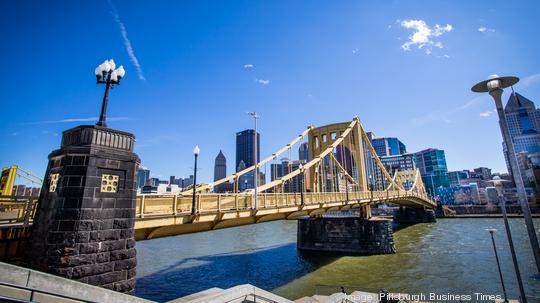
388, 146
143, 175
524, 126
220, 171
276, 171
303, 152
432, 165
245, 154
245, 147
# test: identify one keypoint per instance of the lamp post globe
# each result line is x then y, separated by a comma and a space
108, 75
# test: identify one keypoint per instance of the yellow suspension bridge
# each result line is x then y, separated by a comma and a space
334, 178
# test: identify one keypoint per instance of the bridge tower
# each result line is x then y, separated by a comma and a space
351, 151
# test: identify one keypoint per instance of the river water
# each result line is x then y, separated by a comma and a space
452, 256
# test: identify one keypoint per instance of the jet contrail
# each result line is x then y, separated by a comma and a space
127, 43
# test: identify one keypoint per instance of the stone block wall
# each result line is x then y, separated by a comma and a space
84, 224
353, 235
406, 215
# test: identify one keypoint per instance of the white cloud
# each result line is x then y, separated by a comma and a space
127, 42
423, 35
487, 113
356, 50
248, 66
262, 81
484, 29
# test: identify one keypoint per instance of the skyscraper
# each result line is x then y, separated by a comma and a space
388, 146
245, 147
279, 170
524, 127
303, 152
432, 165
143, 175
220, 172
245, 157
220, 166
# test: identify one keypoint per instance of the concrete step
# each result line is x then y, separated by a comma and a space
357, 296
198, 296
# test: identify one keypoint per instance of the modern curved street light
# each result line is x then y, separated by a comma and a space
108, 75
494, 86
196, 152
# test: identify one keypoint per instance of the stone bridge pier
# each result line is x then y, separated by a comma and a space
408, 215
346, 232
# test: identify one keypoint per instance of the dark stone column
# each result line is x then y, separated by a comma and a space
346, 234
406, 215
84, 225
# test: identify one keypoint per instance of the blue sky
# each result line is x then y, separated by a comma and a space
194, 68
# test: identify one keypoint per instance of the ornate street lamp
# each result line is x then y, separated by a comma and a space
196, 152
491, 232
108, 75
494, 86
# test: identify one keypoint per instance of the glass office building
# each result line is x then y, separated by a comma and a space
388, 146
524, 125
432, 165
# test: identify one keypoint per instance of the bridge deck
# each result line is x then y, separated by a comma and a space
165, 215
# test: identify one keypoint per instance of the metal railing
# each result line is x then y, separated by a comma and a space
19, 209
162, 205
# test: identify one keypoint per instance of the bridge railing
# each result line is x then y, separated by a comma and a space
17, 209
21, 209
159, 205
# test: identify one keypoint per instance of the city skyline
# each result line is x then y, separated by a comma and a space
196, 88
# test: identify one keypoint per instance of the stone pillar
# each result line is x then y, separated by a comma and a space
84, 224
406, 215
346, 234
